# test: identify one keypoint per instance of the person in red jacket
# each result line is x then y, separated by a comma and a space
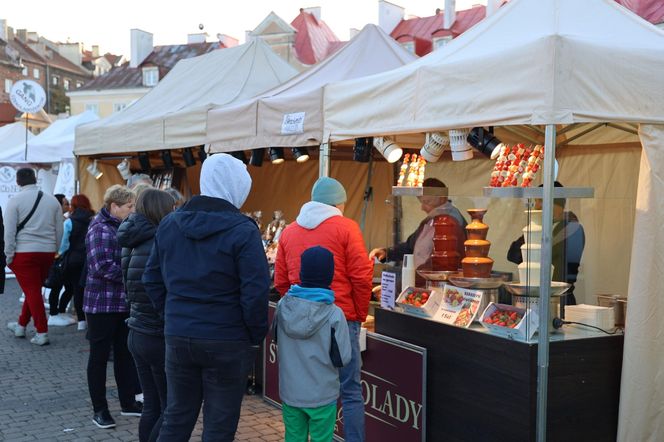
321, 223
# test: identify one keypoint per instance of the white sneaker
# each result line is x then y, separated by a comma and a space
18, 330
40, 339
82, 325
60, 320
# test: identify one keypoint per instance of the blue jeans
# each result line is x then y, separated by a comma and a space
149, 356
213, 370
351, 389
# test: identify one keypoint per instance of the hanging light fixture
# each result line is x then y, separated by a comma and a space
188, 157
485, 142
277, 155
144, 161
202, 155
256, 158
94, 170
240, 155
388, 148
167, 158
301, 154
459, 146
434, 146
124, 169
362, 149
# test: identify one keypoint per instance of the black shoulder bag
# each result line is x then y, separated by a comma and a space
22, 224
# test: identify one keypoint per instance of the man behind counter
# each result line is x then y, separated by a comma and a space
420, 243
568, 240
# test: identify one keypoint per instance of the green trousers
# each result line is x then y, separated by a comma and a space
317, 422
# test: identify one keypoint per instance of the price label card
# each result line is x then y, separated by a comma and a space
388, 283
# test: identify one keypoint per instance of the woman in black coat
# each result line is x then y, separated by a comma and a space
146, 327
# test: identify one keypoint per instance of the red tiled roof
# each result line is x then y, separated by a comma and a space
651, 10
423, 30
313, 38
164, 57
112, 58
53, 58
7, 114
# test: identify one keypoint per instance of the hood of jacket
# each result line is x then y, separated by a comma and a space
302, 318
104, 217
204, 216
225, 177
313, 213
135, 230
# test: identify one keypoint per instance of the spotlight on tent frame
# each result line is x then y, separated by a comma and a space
388, 148
485, 142
257, 156
301, 154
459, 146
240, 155
94, 170
362, 149
167, 158
277, 155
144, 161
124, 169
202, 155
434, 146
188, 157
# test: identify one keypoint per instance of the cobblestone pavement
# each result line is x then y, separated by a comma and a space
44, 395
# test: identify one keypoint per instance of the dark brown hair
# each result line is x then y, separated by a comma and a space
154, 204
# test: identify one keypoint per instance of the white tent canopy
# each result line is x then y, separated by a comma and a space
11, 135
52, 145
258, 122
532, 62
174, 113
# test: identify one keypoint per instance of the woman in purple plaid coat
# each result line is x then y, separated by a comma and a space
106, 310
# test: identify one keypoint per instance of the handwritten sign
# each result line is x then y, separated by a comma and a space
293, 123
388, 283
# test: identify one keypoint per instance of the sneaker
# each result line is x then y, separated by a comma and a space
135, 409
82, 325
40, 339
60, 320
103, 419
19, 331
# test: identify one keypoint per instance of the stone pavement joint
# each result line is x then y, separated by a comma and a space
44, 391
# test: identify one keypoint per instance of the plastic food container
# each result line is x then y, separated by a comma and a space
427, 309
523, 331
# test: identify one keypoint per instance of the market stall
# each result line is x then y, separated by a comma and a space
543, 71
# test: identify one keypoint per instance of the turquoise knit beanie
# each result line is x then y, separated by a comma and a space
329, 191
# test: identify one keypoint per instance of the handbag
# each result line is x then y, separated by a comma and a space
56, 273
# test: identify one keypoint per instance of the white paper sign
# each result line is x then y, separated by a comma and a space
293, 123
459, 306
388, 284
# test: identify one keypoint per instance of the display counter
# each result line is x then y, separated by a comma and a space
484, 387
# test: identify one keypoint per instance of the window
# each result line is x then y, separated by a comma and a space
439, 42
117, 107
65, 84
150, 76
35, 73
409, 46
54, 80
8, 85
25, 71
92, 107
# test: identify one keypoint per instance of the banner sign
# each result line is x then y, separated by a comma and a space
393, 386
46, 177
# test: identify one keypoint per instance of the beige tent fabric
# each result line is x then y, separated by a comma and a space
641, 415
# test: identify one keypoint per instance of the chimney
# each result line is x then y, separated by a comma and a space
22, 34
450, 14
72, 52
315, 11
389, 16
95, 51
33, 36
141, 47
201, 37
353, 32
492, 6
227, 40
3, 30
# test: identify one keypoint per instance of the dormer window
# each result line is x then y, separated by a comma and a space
150, 76
409, 46
439, 42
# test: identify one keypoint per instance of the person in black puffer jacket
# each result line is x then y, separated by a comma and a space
146, 326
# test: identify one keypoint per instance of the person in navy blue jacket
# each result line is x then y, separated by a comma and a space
209, 275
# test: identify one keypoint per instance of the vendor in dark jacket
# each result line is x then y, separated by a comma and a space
209, 274
146, 326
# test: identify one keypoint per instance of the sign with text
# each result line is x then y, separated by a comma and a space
27, 96
393, 381
458, 306
46, 178
293, 123
388, 284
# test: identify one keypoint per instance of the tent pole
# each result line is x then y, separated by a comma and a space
324, 158
545, 275
368, 194
27, 118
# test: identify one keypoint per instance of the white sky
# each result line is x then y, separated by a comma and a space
107, 22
